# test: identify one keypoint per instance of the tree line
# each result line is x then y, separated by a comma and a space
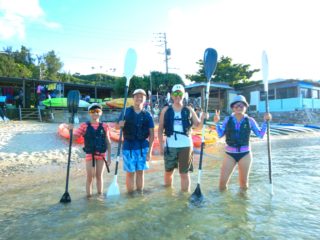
22, 64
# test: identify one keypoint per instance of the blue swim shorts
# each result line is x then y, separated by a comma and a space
135, 160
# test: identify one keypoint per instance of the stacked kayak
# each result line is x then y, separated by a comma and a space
210, 136
62, 102
118, 103
63, 131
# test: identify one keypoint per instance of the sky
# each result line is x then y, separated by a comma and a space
93, 36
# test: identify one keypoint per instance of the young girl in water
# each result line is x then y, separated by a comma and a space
237, 129
97, 147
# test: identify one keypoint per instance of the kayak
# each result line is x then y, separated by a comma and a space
63, 131
62, 102
119, 103
210, 136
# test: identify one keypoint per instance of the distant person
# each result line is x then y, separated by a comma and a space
176, 123
87, 98
19, 99
97, 146
138, 127
237, 129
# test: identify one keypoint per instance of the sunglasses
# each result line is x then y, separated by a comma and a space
239, 105
177, 94
95, 110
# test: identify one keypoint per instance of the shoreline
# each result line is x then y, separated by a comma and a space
28, 147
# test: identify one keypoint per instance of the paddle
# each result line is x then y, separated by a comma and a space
129, 67
187, 98
73, 103
210, 63
265, 72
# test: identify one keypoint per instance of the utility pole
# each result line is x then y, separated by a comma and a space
162, 39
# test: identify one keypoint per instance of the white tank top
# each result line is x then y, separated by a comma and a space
178, 140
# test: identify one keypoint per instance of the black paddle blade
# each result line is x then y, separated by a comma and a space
73, 101
65, 198
210, 60
196, 198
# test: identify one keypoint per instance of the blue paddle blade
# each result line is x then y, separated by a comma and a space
265, 70
130, 64
210, 60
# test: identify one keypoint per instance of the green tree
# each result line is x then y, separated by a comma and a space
52, 65
226, 71
162, 83
9, 68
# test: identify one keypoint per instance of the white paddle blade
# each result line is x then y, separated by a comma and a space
265, 70
130, 64
168, 97
114, 188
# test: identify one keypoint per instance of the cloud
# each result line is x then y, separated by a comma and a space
15, 14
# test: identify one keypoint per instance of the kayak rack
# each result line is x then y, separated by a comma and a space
30, 114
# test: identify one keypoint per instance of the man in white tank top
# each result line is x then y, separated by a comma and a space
176, 122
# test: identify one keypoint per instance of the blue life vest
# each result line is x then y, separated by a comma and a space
238, 138
95, 140
168, 124
136, 126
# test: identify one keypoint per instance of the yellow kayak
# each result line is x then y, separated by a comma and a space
118, 103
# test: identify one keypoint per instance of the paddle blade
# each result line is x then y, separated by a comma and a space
210, 60
65, 198
73, 101
265, 70
130, 64
114, 188
196, 198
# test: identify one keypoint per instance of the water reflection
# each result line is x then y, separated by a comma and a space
30, 209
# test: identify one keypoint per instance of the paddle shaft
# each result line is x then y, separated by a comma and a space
204, 127
268, 138
120, 135
69, 153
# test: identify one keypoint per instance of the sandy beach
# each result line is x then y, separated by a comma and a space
26, 146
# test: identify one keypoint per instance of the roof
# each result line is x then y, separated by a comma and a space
215, 85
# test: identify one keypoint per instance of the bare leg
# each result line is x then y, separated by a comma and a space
99, 175
140, 180
227, 169
90, 176
130, 181
185, 182
244, 166
168, 178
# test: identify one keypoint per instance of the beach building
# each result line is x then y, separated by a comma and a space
284, 95
35, 90
220, 96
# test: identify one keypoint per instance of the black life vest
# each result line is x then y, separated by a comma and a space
136, 126
168, 124
95, 140
238, 138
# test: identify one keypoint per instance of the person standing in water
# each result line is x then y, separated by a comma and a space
96, 144
176, 123
237, 129
137, 127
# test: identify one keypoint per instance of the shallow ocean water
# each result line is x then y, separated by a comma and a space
30, 208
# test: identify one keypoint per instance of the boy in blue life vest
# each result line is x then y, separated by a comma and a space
237, 129
96, 145
176, 122
138, 127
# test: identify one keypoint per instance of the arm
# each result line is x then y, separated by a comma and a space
151, 139
221, 129
108, 142
120, 123
198, 123
259, 132
79, 131
160, 129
